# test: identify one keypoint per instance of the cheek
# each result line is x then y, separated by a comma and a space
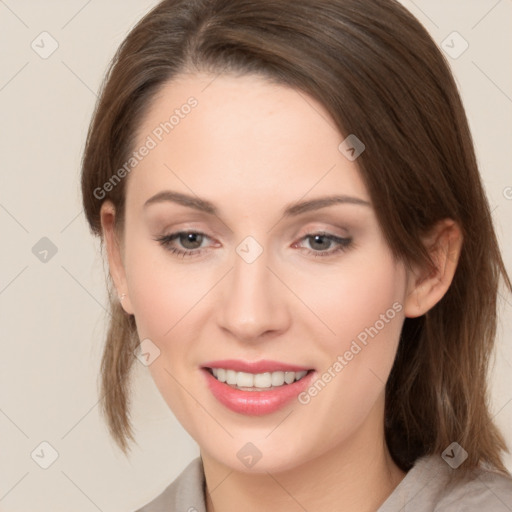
161, 293
363, 294
364, 309
169, 300
362, 305
163, 297
370, 305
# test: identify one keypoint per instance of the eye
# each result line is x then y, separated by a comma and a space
191, 243
324, 244
191, 240
184, 243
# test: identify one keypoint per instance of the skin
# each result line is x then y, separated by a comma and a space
251, 148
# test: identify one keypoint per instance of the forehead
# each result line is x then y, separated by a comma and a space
216, 135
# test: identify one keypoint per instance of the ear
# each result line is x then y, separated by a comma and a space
426, 287
115, 254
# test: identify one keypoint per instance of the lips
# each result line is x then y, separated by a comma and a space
255, 366
261, 402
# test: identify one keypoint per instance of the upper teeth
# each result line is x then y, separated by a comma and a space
257, 380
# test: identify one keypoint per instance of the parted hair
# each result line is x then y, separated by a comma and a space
380, 75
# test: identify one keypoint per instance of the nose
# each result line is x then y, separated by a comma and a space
253, 303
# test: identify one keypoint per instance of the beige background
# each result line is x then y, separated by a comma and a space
52, 313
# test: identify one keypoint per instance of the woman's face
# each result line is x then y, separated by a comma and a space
265, 270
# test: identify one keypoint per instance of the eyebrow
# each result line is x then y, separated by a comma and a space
183, 199
290, 210
321, 202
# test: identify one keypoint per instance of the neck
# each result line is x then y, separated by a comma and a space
342, 476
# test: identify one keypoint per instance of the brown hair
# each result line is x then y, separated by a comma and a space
380, 75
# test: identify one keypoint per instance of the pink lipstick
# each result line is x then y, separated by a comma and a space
255, 400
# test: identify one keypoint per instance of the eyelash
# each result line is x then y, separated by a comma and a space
166, 240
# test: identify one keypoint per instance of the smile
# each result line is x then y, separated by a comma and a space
255, 388
256, 381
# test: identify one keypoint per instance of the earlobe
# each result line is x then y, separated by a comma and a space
426, 287
114, 254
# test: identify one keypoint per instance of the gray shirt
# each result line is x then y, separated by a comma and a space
425, 488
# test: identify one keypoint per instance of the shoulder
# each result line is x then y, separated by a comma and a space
431, 486
184, 494
482, 490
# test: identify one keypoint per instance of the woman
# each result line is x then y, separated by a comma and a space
303, 254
